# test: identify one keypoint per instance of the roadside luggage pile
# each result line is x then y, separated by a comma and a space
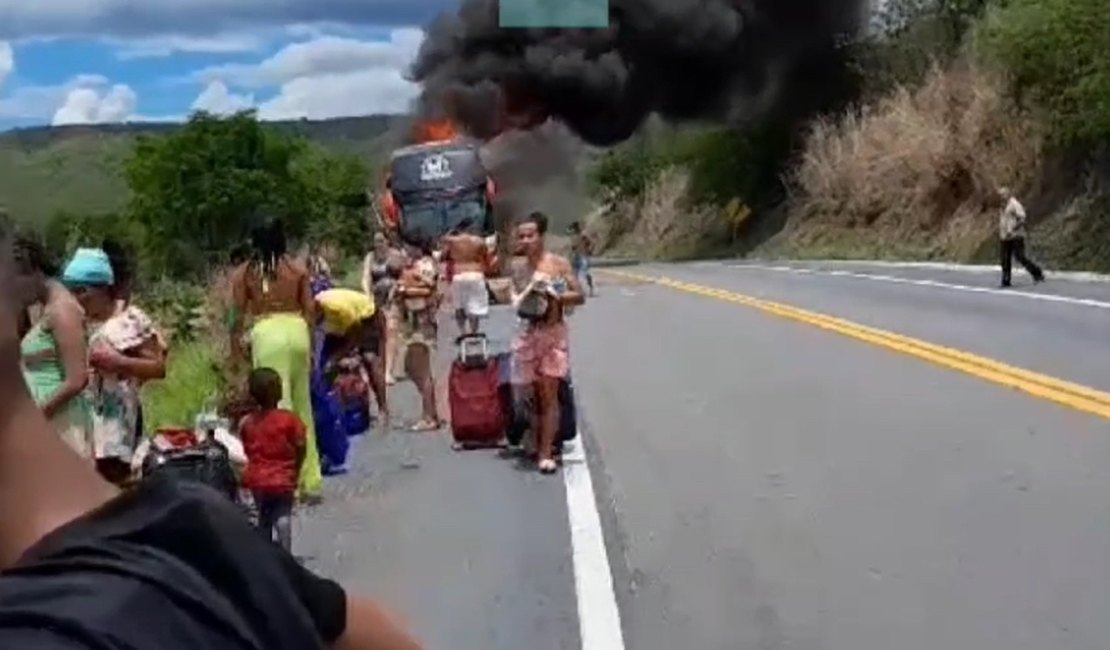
209, 453
488, 410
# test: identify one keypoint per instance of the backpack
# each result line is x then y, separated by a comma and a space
207, 462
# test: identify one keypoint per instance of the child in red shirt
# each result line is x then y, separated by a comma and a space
274, 440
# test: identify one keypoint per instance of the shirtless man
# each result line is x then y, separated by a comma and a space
541, 349
468, 255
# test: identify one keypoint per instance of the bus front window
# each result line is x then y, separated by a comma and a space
460, 211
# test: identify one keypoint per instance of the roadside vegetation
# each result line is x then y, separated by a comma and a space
191, 195
943, 102
948, 100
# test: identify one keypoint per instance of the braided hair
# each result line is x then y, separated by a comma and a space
268, 244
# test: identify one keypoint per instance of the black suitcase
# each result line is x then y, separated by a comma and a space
519, 414
207, 463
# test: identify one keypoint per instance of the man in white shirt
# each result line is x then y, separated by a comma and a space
1011, 232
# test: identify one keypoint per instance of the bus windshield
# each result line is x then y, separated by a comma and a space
460, 211
435, 219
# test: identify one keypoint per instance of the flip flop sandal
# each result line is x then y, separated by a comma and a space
548, 466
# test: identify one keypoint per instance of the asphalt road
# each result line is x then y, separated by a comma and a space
764, 483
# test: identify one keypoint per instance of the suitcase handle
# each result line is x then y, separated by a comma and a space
466, 354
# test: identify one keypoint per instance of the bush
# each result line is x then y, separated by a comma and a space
193, 378
178, 307
728, 163
1056, 53
626, 172
662, 224
919, 167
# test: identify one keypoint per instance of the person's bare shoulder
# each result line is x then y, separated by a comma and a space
238, 273
558, 263
297, 265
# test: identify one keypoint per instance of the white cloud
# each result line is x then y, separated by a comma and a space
20, 19
341, 95
322, 55
145, 48
216, 98
92, 105
40, 102
328, 76
7, 61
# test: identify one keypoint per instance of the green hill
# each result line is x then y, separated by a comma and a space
77, 169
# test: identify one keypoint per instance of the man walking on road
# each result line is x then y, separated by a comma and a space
1011, 230
541, 350
469, 295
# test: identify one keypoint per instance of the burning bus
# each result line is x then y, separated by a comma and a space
433, 187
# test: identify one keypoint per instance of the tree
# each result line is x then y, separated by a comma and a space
193, 190
908, 37
334, 199
66, 231
1056, 53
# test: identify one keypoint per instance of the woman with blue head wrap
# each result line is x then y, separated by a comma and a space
125, 349
89, 276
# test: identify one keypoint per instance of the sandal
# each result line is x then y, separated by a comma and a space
425, 426
548, 466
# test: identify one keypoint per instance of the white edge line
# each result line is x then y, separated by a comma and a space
1045, 297
599, 618
1077, 276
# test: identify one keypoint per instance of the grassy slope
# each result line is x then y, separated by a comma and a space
78, 169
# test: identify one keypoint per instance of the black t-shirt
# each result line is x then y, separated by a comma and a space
169, 566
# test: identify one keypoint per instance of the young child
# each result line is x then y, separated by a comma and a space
274, 440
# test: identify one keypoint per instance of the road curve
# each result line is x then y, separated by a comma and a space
765, 482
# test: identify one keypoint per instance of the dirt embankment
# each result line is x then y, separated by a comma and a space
912, 176
661, 224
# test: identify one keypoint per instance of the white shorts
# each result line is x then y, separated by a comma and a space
469, 294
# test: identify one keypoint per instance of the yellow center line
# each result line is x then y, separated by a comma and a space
1072, 395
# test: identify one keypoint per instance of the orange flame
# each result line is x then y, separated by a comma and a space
435, 131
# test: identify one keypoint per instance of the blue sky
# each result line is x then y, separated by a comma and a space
90, 61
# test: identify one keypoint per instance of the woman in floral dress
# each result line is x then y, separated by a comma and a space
126, 350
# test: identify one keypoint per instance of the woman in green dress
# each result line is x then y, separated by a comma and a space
54, 350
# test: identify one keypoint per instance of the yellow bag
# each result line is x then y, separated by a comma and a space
344, 308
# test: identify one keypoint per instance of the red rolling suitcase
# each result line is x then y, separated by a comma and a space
475, 399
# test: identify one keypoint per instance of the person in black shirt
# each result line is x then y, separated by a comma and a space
166, 566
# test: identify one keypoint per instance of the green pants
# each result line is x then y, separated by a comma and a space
283, 343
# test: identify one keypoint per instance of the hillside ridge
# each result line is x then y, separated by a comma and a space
47, 170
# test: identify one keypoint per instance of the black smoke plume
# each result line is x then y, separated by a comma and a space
725, 60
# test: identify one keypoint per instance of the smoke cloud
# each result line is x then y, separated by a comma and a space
537, 169
729, 60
